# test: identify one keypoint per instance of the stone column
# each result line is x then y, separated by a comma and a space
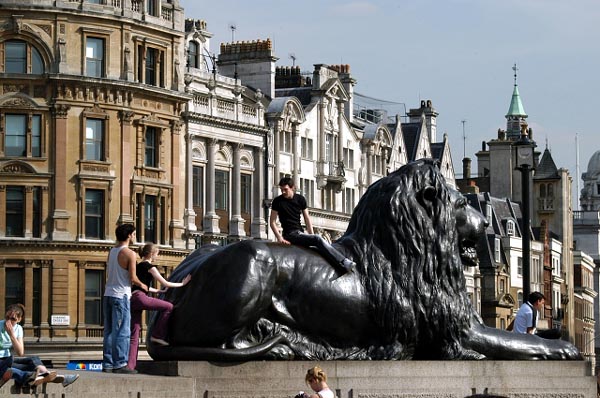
28, 227
236, 223
28, 325
276, 145
127, 166
369, 164
80, 327
321, 180
189, 213
60, 217
176, 196
44, 299
340, 148
295, 154
211, 220
258, 227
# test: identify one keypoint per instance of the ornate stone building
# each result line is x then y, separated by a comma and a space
90, 137
225, 144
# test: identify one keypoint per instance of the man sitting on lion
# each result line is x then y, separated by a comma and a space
409, 236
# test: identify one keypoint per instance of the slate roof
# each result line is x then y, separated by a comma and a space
302, 93
411, 133
437, 150
547, 169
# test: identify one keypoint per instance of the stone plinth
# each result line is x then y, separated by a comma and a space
349, 379
354, 379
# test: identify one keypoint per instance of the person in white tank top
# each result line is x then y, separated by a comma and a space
317, 380
121, 270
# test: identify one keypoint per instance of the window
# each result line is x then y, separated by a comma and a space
497, 250
14, 286
151, 147
16, 135
94, 214
36, 136
510, 228
488, 213
306, 148
15, 199
20, 132
149, 66
520, 266
20, 57
94, 288
502, 286
285, 144
376, 165
151, 8
94, 139
37, 212
349, 200
246, 193
94, 57
197, 186
150, 214
328, 147
193, 55
520, 298
328, 198
349, 158
221, 190
307, 189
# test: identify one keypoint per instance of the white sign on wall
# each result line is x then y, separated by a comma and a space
60, 320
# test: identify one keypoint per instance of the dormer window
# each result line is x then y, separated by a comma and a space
510, 228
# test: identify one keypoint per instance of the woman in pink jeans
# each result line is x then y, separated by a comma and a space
146, 272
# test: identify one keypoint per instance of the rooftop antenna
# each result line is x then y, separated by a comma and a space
293, 57
577, 171
233, 28
464, 139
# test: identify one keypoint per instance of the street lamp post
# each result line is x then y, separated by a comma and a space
524, 161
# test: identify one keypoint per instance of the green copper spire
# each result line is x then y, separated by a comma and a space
516, 106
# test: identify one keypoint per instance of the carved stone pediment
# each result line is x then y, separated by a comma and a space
17, 167
17, 100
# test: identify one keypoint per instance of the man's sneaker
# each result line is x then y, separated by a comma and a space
70, 379
107, 370
158, 341
6, 377
43, 378
348, 264
125, 370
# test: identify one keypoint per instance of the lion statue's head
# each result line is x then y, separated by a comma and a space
409, 231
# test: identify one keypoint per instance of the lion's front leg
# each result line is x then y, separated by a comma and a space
501, 344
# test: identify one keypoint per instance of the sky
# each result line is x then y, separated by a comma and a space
457, 53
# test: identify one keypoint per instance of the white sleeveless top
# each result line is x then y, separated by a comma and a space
326, 393
118, 283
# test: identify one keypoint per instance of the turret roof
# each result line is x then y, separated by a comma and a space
516, 106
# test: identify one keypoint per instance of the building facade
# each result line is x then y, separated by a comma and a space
90, 138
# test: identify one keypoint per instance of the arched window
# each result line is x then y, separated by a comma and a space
21, 57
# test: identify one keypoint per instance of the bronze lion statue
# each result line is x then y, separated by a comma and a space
409, 235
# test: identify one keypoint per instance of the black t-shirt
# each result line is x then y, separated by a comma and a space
142, 270
289, 211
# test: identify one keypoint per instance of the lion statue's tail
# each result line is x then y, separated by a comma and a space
187, 353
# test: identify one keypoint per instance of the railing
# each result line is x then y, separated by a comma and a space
225, 106
546, 203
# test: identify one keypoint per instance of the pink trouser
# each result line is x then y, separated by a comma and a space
140, 302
